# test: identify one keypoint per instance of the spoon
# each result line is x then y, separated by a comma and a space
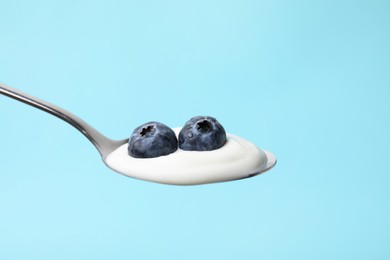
110, 150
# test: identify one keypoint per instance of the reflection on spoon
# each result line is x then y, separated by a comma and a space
237, 159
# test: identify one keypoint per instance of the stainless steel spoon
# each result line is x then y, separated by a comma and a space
104, 145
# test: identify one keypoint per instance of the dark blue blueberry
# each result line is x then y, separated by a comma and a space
152, 139
202, 133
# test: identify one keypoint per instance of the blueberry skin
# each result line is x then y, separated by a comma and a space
202, 133
152, 139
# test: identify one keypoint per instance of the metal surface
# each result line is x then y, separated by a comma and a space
103, 144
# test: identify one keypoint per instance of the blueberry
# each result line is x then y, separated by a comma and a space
152, 139
202, 133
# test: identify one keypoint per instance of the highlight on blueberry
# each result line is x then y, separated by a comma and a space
152, 139
202, 133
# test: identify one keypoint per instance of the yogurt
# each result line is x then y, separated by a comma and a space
237, 159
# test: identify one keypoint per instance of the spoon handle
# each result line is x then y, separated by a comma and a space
103, 144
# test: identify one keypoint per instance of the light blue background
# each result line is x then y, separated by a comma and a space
307, 80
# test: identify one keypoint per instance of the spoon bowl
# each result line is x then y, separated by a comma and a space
110, 150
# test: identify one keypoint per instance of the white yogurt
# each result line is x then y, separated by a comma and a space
237, 159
